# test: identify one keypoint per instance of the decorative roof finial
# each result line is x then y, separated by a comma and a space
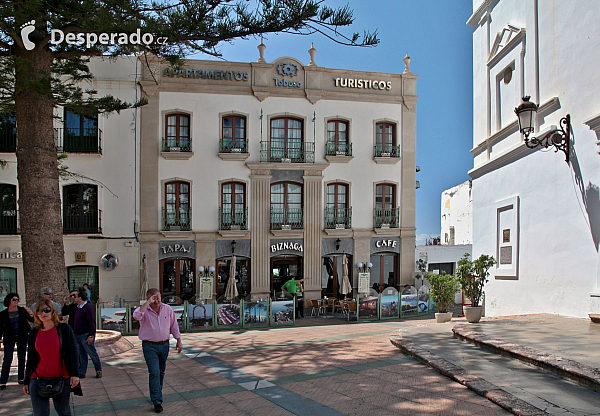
407, 64
261, 51
312, 51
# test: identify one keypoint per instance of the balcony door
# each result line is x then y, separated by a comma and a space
286, 139
80, 209
8, 209
337, 205
80, 132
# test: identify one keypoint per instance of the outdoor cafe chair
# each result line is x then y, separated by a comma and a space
352, 308
315, 305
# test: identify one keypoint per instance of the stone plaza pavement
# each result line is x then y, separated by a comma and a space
323, 368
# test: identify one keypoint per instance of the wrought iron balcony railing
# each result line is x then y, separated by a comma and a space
8, 139
338, 149
287, 219
82, 222
387, 150
9, 221
177, 221
386, 218
276, 152
338, 217
78, 140
233, 146
233, 220
177, 145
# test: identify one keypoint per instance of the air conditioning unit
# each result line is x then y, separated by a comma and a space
286, 227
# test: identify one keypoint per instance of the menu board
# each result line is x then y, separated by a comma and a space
363, 282
206, 287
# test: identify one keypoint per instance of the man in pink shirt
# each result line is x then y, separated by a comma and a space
157, 323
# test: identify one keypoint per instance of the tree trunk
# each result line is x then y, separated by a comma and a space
38, 179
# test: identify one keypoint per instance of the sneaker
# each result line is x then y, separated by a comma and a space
99, 374
158, 408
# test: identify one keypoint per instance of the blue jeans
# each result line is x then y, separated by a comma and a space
156, 360
41, 405
84, 350
9, 349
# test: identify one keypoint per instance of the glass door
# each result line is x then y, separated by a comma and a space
282, 270
177, 281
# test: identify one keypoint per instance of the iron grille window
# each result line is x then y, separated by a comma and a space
80, 133
286, 205
8, 132
177, 131
337, 137
234, 132
286, 138
177, 206
8, 209
385, 134
80, 210
233, 205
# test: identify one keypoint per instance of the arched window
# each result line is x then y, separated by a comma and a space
234, 214
8, 209
80, 209
338, 213
177, 211
286, 139
386, 212
177, 133
233, 134
337, 138
385, 140
286, 206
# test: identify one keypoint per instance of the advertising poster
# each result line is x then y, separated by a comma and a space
367, 307
113, 319
409, 304
228, 314
201, 316
255, 313
389, 305
425, 305
282, 312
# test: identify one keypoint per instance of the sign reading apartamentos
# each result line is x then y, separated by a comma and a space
206, 74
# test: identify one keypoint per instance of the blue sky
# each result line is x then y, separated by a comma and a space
437, 38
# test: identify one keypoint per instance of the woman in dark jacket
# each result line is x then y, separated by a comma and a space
14, 330
52, 353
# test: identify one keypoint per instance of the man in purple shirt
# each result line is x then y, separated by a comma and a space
157, 323
85, 334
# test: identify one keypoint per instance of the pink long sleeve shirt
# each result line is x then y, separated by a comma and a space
157, 327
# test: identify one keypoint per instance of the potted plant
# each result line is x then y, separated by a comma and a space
443, 288
473, 275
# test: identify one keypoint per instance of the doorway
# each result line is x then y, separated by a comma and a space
177, 279
283, 269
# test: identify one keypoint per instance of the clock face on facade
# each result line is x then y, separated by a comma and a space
109, 261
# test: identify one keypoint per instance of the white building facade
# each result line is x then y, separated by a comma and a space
457, 215
537, 214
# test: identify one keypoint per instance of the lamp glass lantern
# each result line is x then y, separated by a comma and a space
526, 113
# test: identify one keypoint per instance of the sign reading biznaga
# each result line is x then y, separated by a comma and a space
206, 74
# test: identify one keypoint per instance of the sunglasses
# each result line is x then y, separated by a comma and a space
73, 295
15, 299
47, 309
49, 294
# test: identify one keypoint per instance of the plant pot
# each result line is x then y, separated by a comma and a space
442, 317
473, 313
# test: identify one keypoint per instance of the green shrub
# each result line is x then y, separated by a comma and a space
473, 275
443, 288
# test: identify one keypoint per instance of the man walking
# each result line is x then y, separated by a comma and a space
157, 323
85, 334
46, 293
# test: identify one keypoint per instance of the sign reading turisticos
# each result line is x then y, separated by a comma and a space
216, 74
363, 83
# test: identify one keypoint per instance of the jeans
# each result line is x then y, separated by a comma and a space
84, 350
41, 405
9, 349
299, 307
156, 360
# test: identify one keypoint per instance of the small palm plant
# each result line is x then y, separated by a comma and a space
443, 288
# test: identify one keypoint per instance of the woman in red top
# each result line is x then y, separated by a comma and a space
47, 356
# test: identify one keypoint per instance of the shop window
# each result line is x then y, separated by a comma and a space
233, 135
8, 209
286, 206
386, 213
384, 271
177, 283
242, 276
78, 275
8, 283
338, 213
177, 211
80, 209
332, 274
177, 133
80, 133
234, 214
338, 143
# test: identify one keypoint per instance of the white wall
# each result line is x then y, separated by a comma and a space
457, 212
554, 223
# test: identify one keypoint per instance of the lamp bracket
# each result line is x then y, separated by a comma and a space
559, 138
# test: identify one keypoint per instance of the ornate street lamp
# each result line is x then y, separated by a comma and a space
364, 267
559, 138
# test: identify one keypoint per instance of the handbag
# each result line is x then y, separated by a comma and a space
50, 386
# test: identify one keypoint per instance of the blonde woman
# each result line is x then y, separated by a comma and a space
52, 353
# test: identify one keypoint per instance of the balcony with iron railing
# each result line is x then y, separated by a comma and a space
386, 218
386, 150
82, 222
177, 145
8, 139
287, 219
78, 140
233, 220
338, 149
9, 222
177, 221
304, 153
233, 146
338, 218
